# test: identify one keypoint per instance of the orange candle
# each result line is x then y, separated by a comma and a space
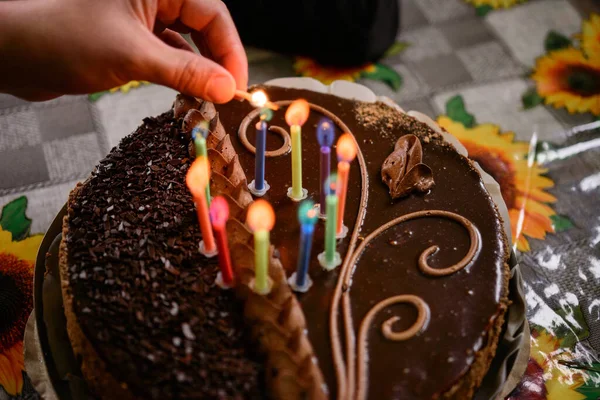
197, 179
346, 152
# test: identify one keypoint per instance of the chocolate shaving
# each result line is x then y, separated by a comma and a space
403, 170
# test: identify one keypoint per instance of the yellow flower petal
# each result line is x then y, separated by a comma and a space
25, 249
11, 369
533, 206
590, 37
558, 390
495, 3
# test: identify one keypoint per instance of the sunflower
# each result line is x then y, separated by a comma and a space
16, 277
590, 37
521, 183
495, 3
566, 78
309, 68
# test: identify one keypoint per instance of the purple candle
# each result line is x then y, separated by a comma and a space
325, 136
259, 166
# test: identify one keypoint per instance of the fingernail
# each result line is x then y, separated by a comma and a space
220, 89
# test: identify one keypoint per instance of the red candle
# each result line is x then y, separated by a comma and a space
196, 179
219, 213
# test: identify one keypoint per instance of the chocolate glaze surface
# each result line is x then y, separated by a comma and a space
145, 297
463, 305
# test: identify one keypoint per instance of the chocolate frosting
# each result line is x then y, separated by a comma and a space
465, 305
167, 331
403, 170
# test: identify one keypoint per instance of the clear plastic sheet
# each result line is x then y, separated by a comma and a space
556, 236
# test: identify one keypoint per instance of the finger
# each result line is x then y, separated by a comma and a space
175, 40
218, 30
201, 45
186, 72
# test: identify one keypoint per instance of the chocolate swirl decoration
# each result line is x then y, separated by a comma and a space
386, 329
419, 303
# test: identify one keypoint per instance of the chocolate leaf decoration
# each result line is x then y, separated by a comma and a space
403, 170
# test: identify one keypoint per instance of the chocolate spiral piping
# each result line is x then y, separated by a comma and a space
344, 374
418, 302
386, 329
285, 148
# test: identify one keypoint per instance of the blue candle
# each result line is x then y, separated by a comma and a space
259, 185
307, 215
325, 136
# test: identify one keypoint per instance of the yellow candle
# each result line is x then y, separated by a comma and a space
261, 219
295, 116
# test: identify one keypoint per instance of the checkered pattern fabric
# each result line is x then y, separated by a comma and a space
45, 148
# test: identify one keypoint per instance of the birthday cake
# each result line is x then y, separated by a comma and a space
413, 311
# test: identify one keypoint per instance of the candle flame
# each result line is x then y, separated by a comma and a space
297, 112
325, 132
198, 176
307, 213
330, 184
261, 216
219, 211
258, 99
346, 148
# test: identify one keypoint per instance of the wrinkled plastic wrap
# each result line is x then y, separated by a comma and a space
556, 236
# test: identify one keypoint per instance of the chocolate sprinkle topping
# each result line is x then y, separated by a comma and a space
157, 318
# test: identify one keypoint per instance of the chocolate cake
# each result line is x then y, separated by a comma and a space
414, 311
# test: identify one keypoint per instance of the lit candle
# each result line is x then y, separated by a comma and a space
197, 179
346, 152
199, 134
295, 116
260, 220
325, 136
330, 258
252, 96
219, 213
259, 186
307, 215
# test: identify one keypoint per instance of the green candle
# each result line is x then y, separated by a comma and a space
330, 258
331, 202
261, 261
296, 162
200, 146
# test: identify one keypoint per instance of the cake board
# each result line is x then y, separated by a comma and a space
60, 365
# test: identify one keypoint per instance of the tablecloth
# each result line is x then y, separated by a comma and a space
519, 86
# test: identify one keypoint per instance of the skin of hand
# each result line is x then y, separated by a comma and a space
53, 47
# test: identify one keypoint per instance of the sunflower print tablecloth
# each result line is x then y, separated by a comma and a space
516, 81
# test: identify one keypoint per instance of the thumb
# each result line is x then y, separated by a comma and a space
186, 72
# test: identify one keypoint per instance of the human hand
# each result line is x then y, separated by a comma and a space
55, 47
